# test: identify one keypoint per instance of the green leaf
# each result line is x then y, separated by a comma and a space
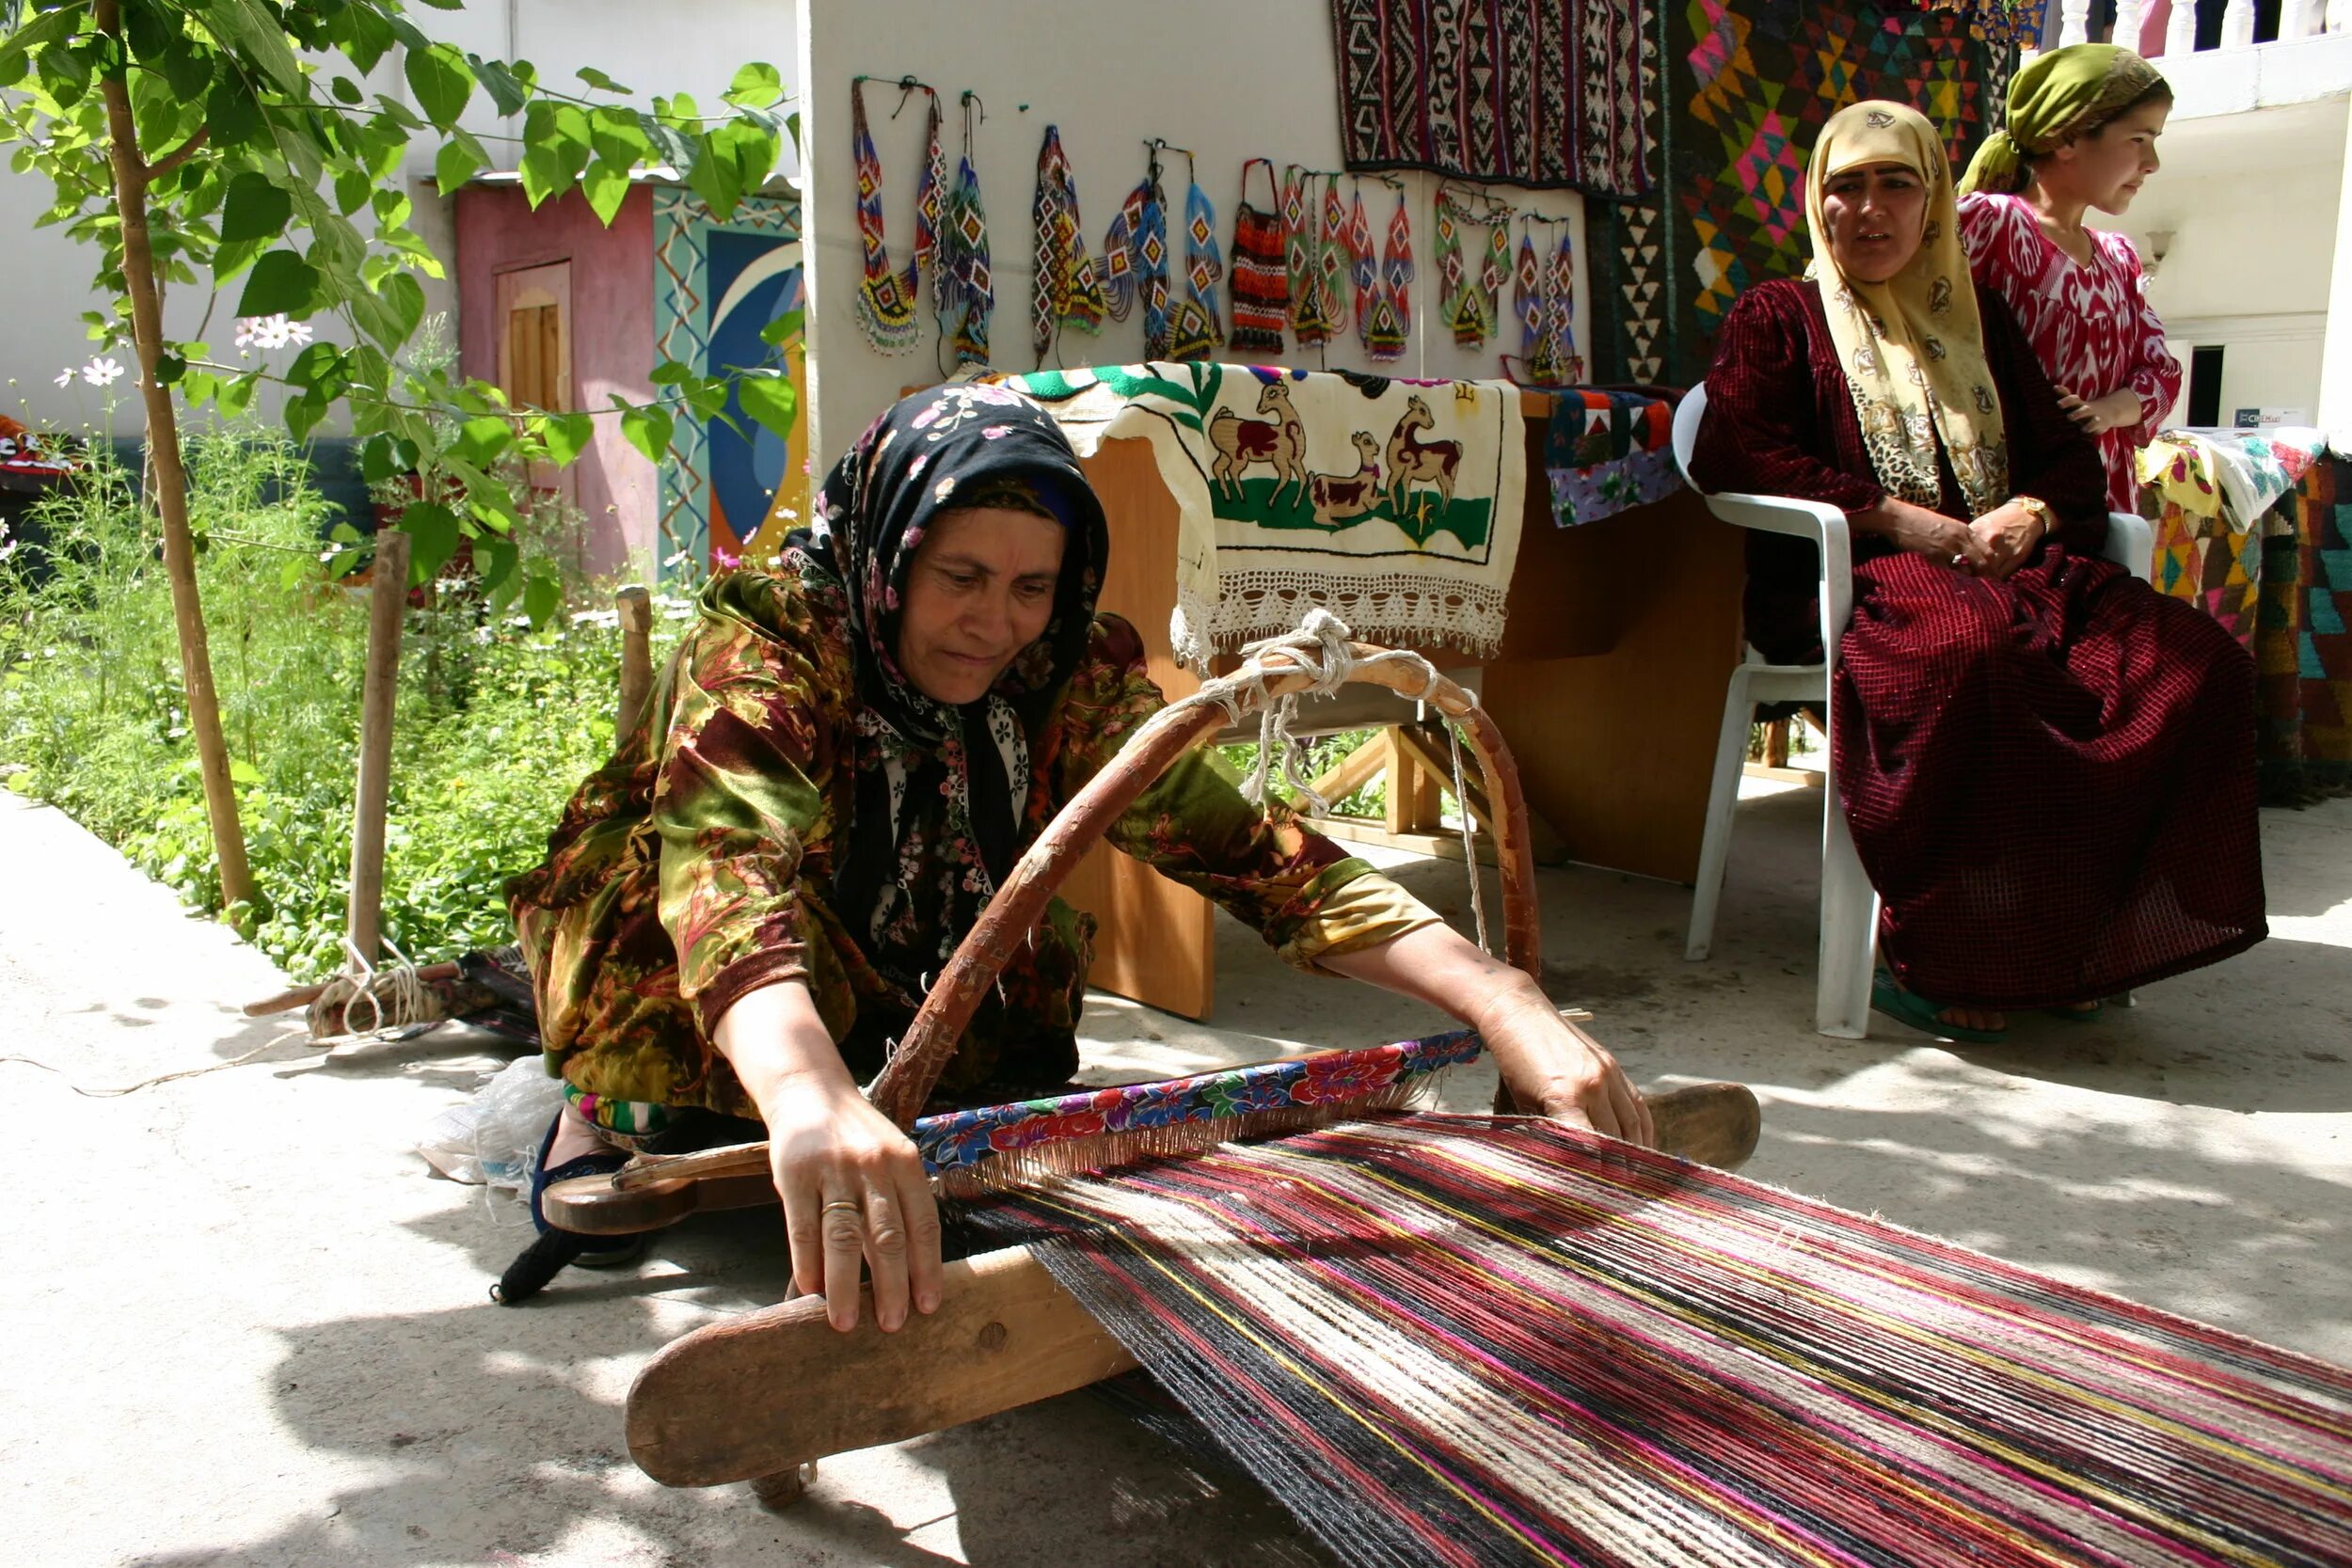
784, 328
236, 397
756, 86
255, 209
169, 370
648, 429
566, 435
505, 88
495, 560
376, 463
542, 598
252, 30
770, 399
347, 90
606, 187
459, 162
232, 113
618, 137
671, 373
442, 82
479, 441
432, 533
304, 413
282, 283
47, 28
243, 773
404, 297
352, 190
599, 81
543, 175
364, 35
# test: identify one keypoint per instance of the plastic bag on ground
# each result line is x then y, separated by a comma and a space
494, 1137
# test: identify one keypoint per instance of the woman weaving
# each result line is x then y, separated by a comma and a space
2048, 767
742, 911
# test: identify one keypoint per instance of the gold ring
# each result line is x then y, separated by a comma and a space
843, 1204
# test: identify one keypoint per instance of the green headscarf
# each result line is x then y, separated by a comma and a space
2063, 93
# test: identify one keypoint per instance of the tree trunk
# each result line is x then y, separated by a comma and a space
172, 482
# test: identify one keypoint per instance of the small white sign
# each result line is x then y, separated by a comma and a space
2262, 419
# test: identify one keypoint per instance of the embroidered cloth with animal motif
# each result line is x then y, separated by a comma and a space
1395, 504
1474, 1342
1606, 451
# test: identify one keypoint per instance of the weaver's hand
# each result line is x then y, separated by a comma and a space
853, 1186
1556, 1069
1929, 533
853, 1189
2009, 534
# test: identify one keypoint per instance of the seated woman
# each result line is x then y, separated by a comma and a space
2083, 124
740, 912
2048, 766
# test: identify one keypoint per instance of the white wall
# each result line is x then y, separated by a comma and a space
679, 46
1230, 79
2251, 201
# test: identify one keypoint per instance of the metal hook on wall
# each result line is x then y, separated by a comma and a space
972, 101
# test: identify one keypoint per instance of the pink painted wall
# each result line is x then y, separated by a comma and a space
611, 341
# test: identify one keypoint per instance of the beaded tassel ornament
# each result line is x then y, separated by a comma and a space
1066, 292
1197, 331
1528, 303
1560, 311
1259, 284
972, 292
1469, 303
1363, 264
1388, 326
1313, 312
1135, 259
1333, 260
887, 300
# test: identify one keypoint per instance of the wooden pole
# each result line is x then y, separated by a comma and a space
131, 176
635, 607
387, 602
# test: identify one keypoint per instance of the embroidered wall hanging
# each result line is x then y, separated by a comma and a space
1397, 504
1263, 268
971, 291
887, 300
1513, 92
1067, 290
1746, 90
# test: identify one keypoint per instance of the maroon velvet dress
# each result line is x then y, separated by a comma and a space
2050, 779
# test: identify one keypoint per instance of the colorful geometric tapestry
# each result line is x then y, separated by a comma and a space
2280, 581
1395, 504
1480, 1340
715, 285
1747, 88
1511, 92
1606, 451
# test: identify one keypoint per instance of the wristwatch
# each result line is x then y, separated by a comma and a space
2040, 512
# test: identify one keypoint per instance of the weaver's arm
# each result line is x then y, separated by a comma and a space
1551, 1066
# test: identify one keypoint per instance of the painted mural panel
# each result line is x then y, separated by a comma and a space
729, 490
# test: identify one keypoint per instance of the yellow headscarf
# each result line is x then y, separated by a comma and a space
1911, 347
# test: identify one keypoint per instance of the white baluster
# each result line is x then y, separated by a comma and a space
2129, 15
2294, 18
2339, 16
2237, 23
2180, 29
2074, 21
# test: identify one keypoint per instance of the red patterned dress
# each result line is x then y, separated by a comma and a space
2090, 326
2050, 778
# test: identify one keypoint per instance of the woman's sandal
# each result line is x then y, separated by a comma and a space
1916, 1010
555, 1249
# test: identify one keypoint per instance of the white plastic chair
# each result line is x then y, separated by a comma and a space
1848, 905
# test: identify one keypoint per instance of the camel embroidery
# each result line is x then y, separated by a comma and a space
1344, 497
1415, 462
1242, 444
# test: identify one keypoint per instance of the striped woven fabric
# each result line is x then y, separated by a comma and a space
1482, 1340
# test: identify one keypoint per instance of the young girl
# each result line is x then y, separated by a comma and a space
2083, 124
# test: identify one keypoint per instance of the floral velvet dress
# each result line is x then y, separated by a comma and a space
702, 863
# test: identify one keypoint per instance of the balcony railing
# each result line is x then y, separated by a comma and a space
2177, 34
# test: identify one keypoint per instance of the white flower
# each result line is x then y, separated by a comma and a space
102, 372
298, 332
271, 332
65, 376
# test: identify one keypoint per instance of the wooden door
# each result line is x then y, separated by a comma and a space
1157, 939
534, 311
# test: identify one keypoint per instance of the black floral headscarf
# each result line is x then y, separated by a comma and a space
941, 787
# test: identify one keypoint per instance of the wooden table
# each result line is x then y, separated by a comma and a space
1609, 686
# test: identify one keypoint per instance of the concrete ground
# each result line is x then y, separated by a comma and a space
248, 1326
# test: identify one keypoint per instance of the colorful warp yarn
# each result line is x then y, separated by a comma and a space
1134, 261
1475, 1340
1263, 269
969, 296
1067, 291
888, 301
1499, 91
1196, 331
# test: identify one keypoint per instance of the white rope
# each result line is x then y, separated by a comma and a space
394, 998
1323, 650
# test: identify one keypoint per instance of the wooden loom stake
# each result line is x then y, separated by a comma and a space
635, 607
388, 604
